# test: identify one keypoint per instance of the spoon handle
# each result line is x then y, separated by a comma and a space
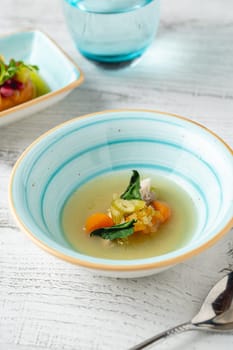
174, 330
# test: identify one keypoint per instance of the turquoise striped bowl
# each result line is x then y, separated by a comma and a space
46, 175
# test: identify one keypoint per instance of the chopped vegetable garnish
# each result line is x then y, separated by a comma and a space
8, 71
135, 211
18, 83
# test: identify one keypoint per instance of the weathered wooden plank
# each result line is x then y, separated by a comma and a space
48, 304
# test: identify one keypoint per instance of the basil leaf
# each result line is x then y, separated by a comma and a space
117, 231
28, 66
133, 189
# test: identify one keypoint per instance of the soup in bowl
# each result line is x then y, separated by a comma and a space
125, 193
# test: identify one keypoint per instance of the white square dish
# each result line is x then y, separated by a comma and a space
59, 71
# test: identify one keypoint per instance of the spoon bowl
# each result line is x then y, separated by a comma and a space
217, 309
216, 313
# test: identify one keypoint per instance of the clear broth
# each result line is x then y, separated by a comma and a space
96, 196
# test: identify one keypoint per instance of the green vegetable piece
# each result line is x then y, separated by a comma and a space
117, 216
42, 87
8, 71
117, 231
124, 206
133, 189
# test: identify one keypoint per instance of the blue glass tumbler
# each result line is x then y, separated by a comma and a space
112, 30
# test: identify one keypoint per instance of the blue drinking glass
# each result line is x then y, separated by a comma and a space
112, 30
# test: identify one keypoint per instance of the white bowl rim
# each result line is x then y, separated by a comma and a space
103, 266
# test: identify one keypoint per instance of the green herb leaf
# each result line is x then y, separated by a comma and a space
10, 70
133, 189
2, 71
117, 231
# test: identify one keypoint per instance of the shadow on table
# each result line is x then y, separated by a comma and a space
194, 58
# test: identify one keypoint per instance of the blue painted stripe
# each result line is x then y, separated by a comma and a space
108, 120
93, 148
86, 125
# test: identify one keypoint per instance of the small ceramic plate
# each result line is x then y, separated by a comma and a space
59, 71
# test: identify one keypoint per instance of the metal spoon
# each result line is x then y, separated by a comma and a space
216, 313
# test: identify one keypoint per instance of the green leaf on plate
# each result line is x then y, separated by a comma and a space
8, 71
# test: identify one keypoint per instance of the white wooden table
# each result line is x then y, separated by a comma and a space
46, 303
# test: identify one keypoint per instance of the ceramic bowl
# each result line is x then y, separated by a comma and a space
191, 155
35, 47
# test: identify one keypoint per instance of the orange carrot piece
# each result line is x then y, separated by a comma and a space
138, 226
98, 220
163, 208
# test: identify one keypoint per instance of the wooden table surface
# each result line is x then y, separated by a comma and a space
46, 303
